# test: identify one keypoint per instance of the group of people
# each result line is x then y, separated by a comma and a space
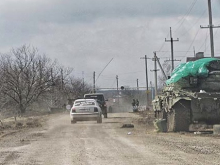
135, 104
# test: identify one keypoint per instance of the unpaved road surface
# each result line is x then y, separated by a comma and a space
87, 143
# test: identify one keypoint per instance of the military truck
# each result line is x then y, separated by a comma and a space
191, 95
99, 97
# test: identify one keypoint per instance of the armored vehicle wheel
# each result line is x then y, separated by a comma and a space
179, 118
170, 121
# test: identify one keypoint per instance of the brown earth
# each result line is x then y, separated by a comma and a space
51, 139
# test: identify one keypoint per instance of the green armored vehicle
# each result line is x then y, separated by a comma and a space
191, 95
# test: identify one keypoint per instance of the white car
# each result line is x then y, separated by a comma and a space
85, 110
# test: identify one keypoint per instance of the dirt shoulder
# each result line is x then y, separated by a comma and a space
10, 126
56, 141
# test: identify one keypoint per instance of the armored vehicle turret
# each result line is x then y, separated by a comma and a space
191, 95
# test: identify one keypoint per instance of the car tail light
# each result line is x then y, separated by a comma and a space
73, 110
95, 109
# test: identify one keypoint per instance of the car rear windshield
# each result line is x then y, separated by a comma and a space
96, 97
84, 103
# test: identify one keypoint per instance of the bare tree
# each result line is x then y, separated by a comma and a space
28, 78
76, 88
25, 75
57, 93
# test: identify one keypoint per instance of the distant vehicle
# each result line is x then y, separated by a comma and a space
85, 110
99, 97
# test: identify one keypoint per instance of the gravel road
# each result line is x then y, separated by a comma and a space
87, 143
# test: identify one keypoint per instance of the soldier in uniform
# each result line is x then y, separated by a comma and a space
134, 105
137, 103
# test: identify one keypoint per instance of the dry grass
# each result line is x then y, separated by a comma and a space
20, 123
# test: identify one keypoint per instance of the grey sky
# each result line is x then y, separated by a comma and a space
87, 34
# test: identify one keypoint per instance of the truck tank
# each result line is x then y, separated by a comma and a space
191, 95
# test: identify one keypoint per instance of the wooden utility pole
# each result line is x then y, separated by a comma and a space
210, 26
94, 82
146, 71
117, 81
137, 85
161, 68
171, 41
117, 88
155, 72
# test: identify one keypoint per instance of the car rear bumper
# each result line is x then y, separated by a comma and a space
84, 116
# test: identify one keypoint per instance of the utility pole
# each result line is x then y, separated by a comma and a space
145, 57
210, 26
137, 85
117, 88
155, 72
152, 94
171, 41
117, 81
94, 82
158, 61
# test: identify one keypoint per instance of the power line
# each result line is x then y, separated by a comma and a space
125, 73
204, 41
104, 69
183, 18
194, 23
164, 42
180, 61
192, 41
127, 81
173, 51
186, 15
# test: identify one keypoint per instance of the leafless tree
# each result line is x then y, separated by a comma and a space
28, 78
25, 75
76, 88
58, 94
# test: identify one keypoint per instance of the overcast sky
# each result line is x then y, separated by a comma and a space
87, 34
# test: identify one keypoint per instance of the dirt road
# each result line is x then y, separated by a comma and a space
60, 143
